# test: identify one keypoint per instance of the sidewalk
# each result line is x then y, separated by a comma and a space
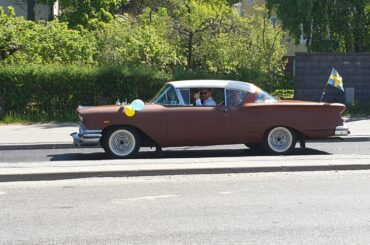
37, 136
57, 135
39, 171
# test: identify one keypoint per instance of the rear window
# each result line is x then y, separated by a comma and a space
265, 97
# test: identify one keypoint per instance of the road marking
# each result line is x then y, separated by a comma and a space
2, 193
225, 192
151, 198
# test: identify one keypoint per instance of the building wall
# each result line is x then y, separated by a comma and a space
43, 11
312, 73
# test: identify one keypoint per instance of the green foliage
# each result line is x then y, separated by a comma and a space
328, 25
125, 41
284, 94
358, 110
83, 12
23, 41
48, 68
57, 91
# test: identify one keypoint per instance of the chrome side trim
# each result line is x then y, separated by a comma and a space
341, 131
86, 137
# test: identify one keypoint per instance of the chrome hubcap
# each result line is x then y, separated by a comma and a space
280, 139
122, 142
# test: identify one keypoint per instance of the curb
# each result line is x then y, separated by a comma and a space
165, 172
42, 146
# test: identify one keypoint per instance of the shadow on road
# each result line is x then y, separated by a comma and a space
166, 154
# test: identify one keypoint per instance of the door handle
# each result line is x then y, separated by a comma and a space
223, 109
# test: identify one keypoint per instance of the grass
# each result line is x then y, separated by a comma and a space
12, 118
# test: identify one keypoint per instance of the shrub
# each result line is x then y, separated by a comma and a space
56, 91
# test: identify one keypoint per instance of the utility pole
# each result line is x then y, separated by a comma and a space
31, 14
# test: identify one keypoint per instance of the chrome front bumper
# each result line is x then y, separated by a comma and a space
86, 137
342, 131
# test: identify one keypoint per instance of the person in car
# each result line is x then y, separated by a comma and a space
204, 98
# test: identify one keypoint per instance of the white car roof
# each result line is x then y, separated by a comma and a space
227, 84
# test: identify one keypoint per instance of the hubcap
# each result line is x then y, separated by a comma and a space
122, 142
280, 139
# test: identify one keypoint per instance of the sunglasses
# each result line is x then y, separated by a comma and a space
203, 92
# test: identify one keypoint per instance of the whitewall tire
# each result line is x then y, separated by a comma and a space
279, 140
121, 143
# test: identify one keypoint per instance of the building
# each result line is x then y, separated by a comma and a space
39, 12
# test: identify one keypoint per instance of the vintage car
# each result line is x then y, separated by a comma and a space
238, 113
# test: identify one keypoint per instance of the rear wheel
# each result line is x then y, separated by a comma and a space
279, 140
121, 143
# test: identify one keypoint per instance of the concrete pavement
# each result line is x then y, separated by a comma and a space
273, 208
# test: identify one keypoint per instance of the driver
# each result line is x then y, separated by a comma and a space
204, 98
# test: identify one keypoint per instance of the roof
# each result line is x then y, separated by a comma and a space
228, 84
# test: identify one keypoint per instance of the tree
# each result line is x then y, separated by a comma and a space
23, 41
193, 19
331, 26
82, 11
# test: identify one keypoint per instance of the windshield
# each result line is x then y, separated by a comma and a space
166, 96
265, 97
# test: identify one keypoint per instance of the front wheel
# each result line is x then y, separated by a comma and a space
121, 143
279, 140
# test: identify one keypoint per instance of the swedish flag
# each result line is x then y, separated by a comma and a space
336, 80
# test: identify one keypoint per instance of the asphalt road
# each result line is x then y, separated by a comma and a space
81, 154
268, 208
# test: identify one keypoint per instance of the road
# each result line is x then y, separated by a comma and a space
81, 154
268, 208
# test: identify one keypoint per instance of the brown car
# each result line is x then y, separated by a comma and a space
209, 112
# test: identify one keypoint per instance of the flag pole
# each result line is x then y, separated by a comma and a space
323, 93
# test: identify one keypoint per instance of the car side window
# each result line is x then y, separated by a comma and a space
207, 96
235, 97
185, 94
167, 97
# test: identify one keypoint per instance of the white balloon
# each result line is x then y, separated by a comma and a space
138, 105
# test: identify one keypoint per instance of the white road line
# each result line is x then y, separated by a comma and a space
2, 193
151, 198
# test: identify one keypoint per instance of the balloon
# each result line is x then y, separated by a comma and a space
129, 111
138, 105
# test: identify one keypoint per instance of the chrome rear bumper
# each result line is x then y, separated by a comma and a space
86, 137
342, 131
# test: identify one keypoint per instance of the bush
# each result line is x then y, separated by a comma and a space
55, 91
284, 94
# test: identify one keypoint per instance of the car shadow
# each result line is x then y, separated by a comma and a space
168, 154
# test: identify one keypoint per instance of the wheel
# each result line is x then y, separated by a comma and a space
121, 143
279, 140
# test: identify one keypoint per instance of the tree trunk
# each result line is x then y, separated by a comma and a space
190, 50
31, 14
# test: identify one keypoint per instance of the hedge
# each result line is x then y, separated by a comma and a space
53, 90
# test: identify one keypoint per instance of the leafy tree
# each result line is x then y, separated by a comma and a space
340, 25
23, 41
82, 11
129, 41
192, 19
